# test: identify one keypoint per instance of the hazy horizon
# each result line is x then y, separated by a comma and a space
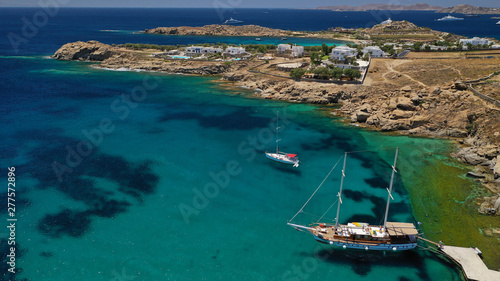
232, 4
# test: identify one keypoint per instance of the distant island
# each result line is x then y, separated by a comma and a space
468, 9
459, 9
369, 7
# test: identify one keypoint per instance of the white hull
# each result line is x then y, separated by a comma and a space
282, 158
379, 247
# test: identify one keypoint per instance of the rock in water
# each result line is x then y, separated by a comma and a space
91, 50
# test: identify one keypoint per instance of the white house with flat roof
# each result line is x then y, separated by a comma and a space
475, 41
199, 50
283, 48
297, 51
343, 52
234, 51
374, 51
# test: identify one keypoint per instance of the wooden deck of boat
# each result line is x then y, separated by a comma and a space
471, 263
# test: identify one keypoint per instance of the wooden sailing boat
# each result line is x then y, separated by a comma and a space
395, 236
282, 157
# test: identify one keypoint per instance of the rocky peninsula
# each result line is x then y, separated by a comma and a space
221, 30
420, 95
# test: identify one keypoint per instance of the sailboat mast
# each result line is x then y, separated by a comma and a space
390, 187
340, 192
277, 130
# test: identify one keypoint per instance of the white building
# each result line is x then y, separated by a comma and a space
343, 52
199, 50
475, 41
282, 48
234, 51
438, 48
297, 51
374, 51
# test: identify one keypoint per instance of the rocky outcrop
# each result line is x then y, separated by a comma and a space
87, 51
496, 168
490, 206
220, 30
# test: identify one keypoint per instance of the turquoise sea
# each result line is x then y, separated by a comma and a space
148, 176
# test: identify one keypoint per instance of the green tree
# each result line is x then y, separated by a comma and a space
352, 73
417, 46
297, 73
322, 72
324, 48
315, 58
337, 73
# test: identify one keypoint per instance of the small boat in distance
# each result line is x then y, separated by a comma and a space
498, 23
395, 236
450, 18
232, 21
472, 15
283, 38
282, 157
257, 39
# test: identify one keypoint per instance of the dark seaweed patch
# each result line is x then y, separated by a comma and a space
363, 218
237, 120
356, 196
46, 254
362, 262
72, 223
136, 179
108, 209
377, 182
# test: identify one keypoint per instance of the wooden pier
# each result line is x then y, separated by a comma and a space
469, 261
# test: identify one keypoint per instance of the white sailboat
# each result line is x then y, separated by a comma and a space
282, 157
395, 236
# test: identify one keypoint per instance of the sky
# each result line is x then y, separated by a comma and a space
238, 3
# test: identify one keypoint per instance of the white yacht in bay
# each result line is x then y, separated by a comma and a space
232, 21
498, 22
450, 18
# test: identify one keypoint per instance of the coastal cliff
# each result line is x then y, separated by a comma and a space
220, 30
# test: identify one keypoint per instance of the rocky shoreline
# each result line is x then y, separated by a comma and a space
390, 100
221, 30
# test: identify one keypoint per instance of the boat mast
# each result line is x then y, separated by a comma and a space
340, 192
390, 187
277, 130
